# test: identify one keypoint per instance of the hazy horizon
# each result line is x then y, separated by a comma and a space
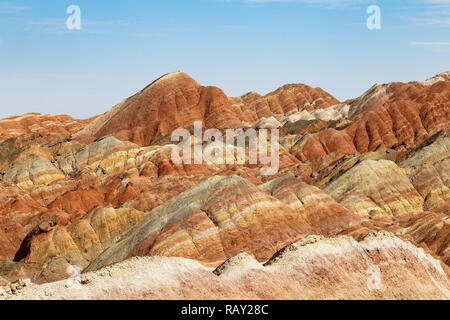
236, 45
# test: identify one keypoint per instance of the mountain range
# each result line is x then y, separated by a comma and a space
359, 208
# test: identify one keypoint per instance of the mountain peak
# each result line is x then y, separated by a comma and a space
175, 100
444, 76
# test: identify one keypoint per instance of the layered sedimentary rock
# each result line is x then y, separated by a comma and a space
428, 168
444, 76
396, 191
44, 125
323, 213
105, 172
55, 248
211, 222
393, 115
431, 229
176, 101
381, 266
375, 187
84, 194
334, 113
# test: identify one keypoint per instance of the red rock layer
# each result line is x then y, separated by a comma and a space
211, 222
433, 230
46, 126
176, 101
99, 200
324, 214
396, 115
379, 267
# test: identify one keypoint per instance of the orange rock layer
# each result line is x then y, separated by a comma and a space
92, 193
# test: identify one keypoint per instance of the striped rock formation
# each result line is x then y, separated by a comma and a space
176, 101
394, 115
88, 194
323, 213
430, 230
428, 168
46, 126
381, 266
376, 187
211, 222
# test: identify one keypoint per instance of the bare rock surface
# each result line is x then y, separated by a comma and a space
104, 195
379, 267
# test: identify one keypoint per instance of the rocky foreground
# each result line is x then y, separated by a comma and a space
380, 266
359, 208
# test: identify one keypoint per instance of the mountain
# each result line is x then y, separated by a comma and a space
362, 185
176, 101
311, 268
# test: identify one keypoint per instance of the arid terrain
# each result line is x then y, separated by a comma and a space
359, 208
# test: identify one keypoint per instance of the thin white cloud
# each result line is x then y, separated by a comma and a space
331, 2
10, 8
441, 47
433, 13
58, 26
437, 1
63, 22
443, 21
326, 3
429, 44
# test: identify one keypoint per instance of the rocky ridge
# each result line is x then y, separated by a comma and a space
88, 194
312, 268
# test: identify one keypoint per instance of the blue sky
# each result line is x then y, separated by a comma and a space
237, 45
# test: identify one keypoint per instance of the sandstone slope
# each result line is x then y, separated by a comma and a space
379, 267
88, 194
176, 101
